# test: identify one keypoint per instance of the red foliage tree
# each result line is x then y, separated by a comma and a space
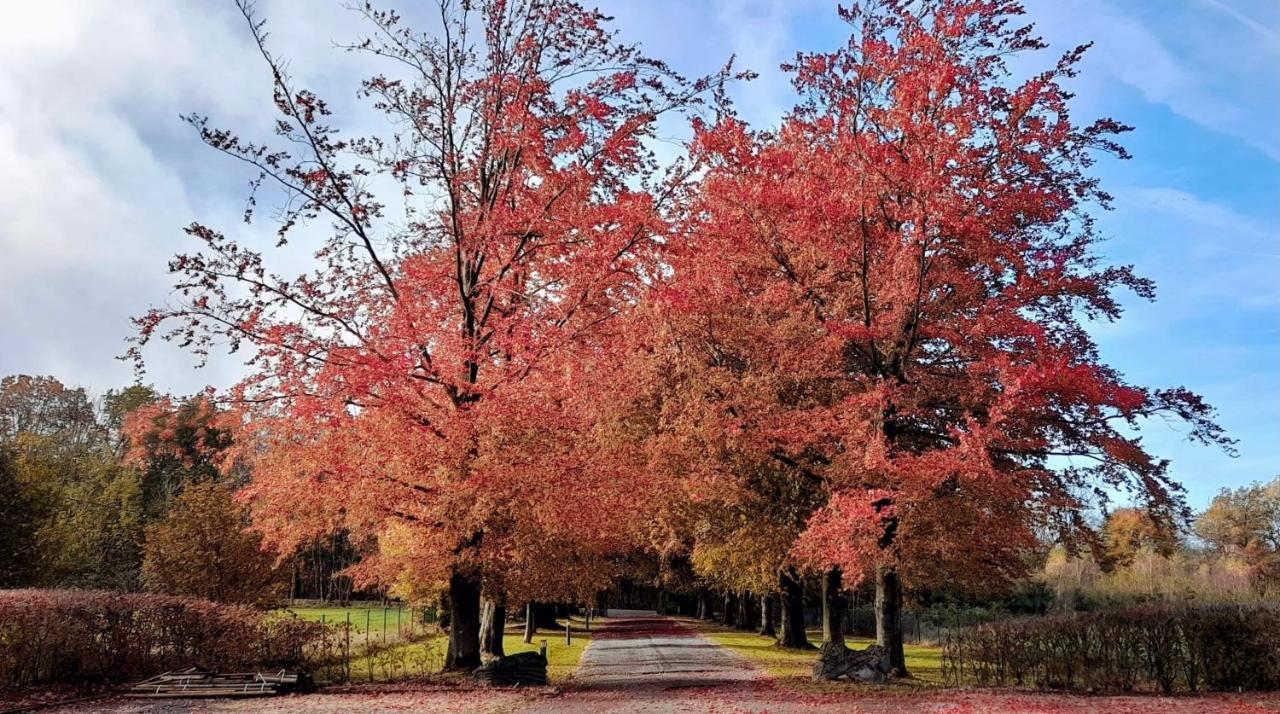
175, 444
889, 296
397, 384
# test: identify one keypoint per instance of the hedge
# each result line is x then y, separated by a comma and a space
1165, 647
86, 636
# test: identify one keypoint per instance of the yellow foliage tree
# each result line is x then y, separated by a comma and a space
202, 549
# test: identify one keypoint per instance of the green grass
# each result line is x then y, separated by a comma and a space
425, 656
362, 618
792, 668
562, 659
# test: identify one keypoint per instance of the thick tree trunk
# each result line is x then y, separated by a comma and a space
833, 606
766, 616
464, 623
791, 623
729, 617
889, 618
744, 611
493, 621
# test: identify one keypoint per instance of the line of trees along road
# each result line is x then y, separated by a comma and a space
854, 343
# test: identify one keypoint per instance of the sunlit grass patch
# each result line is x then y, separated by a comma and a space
792, 669
425, 656
373, 619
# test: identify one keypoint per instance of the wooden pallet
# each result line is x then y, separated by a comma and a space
195, 682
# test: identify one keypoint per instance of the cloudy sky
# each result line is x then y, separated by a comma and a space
98, 174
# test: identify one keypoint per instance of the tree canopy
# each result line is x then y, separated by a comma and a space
856, 342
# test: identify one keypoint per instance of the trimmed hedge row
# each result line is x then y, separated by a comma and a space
84, 636
1165, 647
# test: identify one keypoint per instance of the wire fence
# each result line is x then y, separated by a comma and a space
375, 643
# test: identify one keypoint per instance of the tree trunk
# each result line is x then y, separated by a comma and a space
493, 622
704, 605
744, 610
530, 623
729, 617
889, 618
792, 622
766, 616
833, 606
464, 623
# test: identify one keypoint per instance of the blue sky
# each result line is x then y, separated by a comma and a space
98, 175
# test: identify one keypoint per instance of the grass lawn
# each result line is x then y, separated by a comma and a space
792, 668
375, 619
425, 657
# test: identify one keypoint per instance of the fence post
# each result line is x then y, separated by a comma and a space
346, 662
566, 632
542, 649
324, 646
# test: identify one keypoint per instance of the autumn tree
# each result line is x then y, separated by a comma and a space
73, 511
742, 542
386, 380
173, 443
889, 294
1129, 531
18, 545
202, 548
116, 407
1246, 521
44, 406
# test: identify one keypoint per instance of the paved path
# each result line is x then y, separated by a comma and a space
643, 651
640, 661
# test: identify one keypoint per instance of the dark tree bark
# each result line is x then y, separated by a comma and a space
464, 623
493, 622
833, 606
792, 634
766, 616
730, 615
889, 619
744, 611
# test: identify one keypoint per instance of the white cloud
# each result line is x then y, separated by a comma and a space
93, 159
1205, 60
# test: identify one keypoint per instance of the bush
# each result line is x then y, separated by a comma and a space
201, 549
84, 636
1168, 647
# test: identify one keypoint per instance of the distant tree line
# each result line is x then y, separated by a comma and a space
135, 490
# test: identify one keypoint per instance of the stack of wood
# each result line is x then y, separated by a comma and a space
195, 682
521, 669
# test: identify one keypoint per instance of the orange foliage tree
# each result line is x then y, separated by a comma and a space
889, 293
396, 386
